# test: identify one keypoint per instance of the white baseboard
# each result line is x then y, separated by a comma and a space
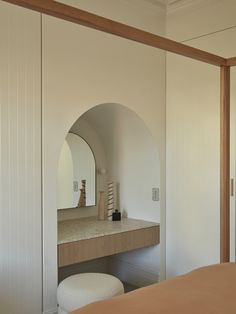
134, 274
52, 311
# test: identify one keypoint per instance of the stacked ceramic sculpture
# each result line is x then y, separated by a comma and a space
110, 205
82, 198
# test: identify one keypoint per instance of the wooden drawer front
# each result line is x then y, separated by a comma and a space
84, 250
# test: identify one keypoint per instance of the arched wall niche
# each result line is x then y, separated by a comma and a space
56, 128
124, 146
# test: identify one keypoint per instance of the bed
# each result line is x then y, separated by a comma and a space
207, 290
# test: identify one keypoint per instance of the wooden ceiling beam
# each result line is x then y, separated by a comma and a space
231, 61
94, 21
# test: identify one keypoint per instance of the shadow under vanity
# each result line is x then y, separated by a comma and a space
85, 243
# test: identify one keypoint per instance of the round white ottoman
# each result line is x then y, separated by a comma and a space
81, 289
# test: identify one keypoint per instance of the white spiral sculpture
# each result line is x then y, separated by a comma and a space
110, 204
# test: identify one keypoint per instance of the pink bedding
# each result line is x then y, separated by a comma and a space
207, 290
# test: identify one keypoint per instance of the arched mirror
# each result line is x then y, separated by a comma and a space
76, 179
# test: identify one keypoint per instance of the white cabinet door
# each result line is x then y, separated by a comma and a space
232, 162
193, 165
20, 151
193, 157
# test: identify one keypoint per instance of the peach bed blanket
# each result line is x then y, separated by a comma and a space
207, 290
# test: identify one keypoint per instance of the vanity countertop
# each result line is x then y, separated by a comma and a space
88, 228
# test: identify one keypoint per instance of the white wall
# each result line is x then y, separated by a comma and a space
81, 69
193, 209
20, 192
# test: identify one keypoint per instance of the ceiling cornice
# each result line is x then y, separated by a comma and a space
174, 5
160, 3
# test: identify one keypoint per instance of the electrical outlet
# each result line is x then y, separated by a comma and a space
155, 194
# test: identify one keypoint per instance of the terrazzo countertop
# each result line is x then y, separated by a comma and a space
87, 228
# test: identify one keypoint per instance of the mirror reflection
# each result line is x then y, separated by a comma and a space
76, 174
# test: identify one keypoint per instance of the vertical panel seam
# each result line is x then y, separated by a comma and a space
41, 150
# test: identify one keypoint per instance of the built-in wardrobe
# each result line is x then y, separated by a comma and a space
21, 183
53, 71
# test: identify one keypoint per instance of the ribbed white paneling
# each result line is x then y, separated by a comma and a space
20, 177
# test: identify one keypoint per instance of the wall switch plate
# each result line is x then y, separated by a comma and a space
75, 186
155, 194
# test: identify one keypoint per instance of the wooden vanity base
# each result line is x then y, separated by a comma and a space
84, 250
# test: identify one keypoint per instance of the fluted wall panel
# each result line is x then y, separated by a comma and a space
20, 153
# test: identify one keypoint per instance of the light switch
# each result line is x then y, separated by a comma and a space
155, 194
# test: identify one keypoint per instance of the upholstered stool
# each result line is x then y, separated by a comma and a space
81, 289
